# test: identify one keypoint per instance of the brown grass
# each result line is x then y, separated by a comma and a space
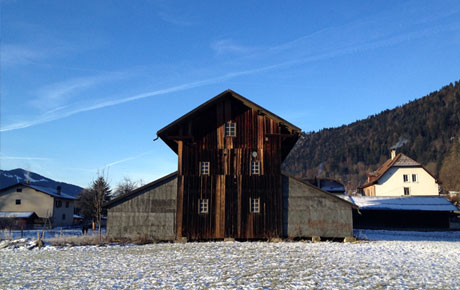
95, 240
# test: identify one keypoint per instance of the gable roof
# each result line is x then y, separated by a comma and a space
420, 203
49, 191
18, 214
225, 94
335, 196
400, 160
140, 190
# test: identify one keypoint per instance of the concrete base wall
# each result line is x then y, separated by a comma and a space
150, 212
309, 211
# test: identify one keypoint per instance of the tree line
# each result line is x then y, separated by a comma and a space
425, 129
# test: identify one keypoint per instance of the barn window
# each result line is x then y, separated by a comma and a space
230, 129
406, 191
204, 168
18, 201
204, 205
414, 178
405, 178
58, 203
254, 205
18, 189
255, 167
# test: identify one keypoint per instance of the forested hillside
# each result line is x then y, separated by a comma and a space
426, 129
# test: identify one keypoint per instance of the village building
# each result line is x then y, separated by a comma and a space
401, 176
50, 205
229, 182
407, 212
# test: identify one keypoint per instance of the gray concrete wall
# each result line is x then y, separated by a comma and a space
308, 212
150, 212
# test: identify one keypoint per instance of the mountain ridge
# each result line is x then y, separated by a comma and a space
426, 129
19, 175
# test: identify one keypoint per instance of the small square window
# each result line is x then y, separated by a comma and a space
58, 203
255, 167
255, 205
204, 168
18, 189
204, 206
230, 129
406, 178
406, 191
414, 178
18, 201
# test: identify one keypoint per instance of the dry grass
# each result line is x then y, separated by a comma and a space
96, 240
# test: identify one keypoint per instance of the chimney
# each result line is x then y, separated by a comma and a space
58, 189
393, 154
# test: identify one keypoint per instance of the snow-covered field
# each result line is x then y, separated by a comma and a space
230, 265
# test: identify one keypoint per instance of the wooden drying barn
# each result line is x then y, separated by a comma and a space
229, 180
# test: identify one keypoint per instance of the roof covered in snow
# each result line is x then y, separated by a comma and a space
422, 203
16, 214
50, 191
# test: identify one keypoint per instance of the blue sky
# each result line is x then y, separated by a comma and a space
86, 85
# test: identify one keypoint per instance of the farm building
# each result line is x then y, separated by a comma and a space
411, 212
229, 182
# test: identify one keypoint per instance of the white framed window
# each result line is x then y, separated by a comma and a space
204, 168
230, 129
414, 178
203, 206
406, 191
255, 167
254, 205
405, 178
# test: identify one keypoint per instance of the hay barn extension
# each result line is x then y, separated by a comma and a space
229, 182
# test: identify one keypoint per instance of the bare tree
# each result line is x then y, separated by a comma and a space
126, 186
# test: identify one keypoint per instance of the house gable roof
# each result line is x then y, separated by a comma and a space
208, 104
49, 191
138, 191
400, 160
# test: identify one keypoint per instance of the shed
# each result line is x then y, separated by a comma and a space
149, 210
412, 212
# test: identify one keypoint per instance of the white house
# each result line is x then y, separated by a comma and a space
401, 176
46, 203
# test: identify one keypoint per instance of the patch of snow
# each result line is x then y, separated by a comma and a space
235, 265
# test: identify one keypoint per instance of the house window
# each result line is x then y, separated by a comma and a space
230, 129
63, 216
58, 203
18, 189
406, 191
255, 167
204, 206
406, 178
254, 205
67, 203
414, 178
18, 201
204, 168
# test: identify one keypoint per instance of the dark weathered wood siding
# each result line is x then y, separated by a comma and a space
230, 185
